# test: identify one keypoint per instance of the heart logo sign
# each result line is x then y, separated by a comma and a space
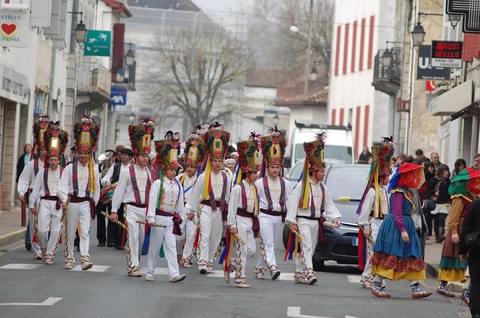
8, 28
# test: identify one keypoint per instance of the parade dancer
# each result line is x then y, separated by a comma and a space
397, 250
27, 179
44, 200
133, 190
195, 150
274, 194
373, 208
79, 190
243, 206
166, 206
212, 190
463, 189
310, 206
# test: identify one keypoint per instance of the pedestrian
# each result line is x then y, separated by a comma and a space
24, 159
44, 201
243, 208
419, 156
476, 162
373, 208
397, 251
166, 207
310, 201
133, 190
429, 170
469, 249
212, 190
26, 182
364, 156
459, 165
435, 159
463, 190
79, 191
274, 193
437, 191
195, 151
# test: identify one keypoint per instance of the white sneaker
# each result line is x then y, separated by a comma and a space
178, 278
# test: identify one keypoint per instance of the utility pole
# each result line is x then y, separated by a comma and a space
309, 47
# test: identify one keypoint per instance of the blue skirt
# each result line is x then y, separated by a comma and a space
389, 239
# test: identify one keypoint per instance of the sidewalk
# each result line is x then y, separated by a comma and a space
10, 227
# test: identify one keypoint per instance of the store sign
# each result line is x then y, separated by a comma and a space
118, 95
97, 43
14, 86
447, 54
470, 10
425, 71
14, 26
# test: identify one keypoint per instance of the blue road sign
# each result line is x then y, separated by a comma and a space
118, 95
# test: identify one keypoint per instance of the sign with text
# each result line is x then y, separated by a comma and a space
118, 95
470, 10
14, 27
425, 71
447, 54
97, 43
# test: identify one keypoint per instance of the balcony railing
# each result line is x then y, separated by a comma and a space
388, 78
95, 79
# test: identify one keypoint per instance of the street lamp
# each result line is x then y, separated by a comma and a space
386, 58
418, 34
130, 57
80, 29
454, 19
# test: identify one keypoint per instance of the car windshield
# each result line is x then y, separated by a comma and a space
333, 154
347, 181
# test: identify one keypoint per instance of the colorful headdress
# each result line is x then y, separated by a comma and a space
86, 133
273, 148
141, 136
408, 175
313, 162
39, 128
56, 140
217, 140
467, 180
195, 148
247, 155
167, 152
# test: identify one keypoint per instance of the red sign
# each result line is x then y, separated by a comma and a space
430, 86
446, 54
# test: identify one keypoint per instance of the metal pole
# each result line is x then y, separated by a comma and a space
309, 48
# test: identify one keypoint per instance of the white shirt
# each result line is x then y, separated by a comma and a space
65, 186
188, 184
39, 186
172, 199
108, 176
236, 202
27, 177
217, 186
124, 191
275, 191
368, 206
331, 210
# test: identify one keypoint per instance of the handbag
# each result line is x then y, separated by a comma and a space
472, 240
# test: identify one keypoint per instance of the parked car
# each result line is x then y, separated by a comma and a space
346, 183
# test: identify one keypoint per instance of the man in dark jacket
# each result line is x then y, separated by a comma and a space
471, 224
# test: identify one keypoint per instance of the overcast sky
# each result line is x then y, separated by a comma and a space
223, 6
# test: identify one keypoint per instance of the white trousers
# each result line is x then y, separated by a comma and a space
374, 226
244, 226
35, 246
211, 227
165, 236
49, 220
189, 232
78, 212
270, 226
135, 235
308, 229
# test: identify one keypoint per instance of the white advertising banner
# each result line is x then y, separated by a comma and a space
14, 26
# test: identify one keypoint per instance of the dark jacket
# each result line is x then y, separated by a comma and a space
20, 165
441, 186
470, 224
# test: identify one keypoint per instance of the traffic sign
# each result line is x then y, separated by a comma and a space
118, 95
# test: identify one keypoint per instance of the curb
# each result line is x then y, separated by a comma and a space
12, 237
432, 272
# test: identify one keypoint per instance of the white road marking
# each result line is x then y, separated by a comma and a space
219, 274
354, 279
295, 312
20, 266
95, 268
50, 301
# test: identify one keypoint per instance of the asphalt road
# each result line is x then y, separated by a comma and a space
31, 289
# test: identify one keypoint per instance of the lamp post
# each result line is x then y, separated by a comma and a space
80, 29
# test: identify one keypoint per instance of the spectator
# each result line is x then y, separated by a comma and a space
419, 155
364, 156
476, 162
401, 158
24, 159
437, 191
460, 164
435, 158
471, 253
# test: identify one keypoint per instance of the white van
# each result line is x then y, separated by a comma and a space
338, 143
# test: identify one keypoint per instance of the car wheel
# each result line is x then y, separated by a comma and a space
285, 233
319, 266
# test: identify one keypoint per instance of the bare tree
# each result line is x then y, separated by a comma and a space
198, 71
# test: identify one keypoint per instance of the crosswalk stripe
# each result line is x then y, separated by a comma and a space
95, 268
20, 266
354, 279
